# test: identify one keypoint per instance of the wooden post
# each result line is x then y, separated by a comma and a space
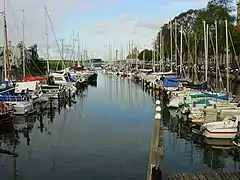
156, 147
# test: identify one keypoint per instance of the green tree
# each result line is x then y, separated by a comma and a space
148, 55
133, 54
34, 64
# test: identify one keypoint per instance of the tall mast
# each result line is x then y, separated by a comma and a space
116, 56
175, 27
62, 50
47, 48
73, 47
160, 50
6, 50
227, 56
205, 50
78, 53
144, 57
181, 50
216, 41
171, 45
23, 43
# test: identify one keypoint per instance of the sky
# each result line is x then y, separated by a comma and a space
97, 22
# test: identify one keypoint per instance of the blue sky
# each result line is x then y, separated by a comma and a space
98, 22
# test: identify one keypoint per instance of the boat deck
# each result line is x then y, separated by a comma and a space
205, 176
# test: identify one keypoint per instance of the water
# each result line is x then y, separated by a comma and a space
106, 136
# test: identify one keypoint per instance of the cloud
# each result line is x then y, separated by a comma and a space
124, 28
118, 27
60, 12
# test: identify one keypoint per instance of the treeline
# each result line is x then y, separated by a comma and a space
35, 65
193, 34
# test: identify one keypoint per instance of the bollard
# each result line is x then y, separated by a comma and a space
158, 109
158, 116
158, 102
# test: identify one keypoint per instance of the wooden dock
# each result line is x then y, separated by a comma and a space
205, 176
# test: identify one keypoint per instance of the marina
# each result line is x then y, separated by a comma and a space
166, 110
70, 141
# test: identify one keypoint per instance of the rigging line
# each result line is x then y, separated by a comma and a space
50, 21
68, 49
184, 73
235, 54
214, 52
187, 39
36, 66
14, 20
28, 70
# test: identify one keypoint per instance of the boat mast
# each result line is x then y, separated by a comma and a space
181, 50
46, 33
23, 43
160, 51
216, 56
175, 29
171, 45
73, 47
227, 57
6, 50
78, 53
205, 48
144, 57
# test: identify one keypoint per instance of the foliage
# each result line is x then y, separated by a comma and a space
133, 54
34, 64
145, 54
192, 24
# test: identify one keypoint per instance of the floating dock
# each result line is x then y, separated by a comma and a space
205, 176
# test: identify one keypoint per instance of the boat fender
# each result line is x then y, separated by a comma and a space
3, 86
194, 104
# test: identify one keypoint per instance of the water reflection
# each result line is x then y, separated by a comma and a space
125, 92
92, 138
195, 153
105, 135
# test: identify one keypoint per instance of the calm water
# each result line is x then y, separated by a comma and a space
105, 135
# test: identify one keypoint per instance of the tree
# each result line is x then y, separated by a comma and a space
34, 64
192, 23
133, 54
148, 55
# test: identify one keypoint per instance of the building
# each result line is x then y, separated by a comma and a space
14, 54
95, 62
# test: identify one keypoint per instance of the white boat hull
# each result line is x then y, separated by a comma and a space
220, 134
23, 108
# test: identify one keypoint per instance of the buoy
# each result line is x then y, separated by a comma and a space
158, 116
158, 102
158, 108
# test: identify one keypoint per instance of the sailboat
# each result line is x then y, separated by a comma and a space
23, 105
